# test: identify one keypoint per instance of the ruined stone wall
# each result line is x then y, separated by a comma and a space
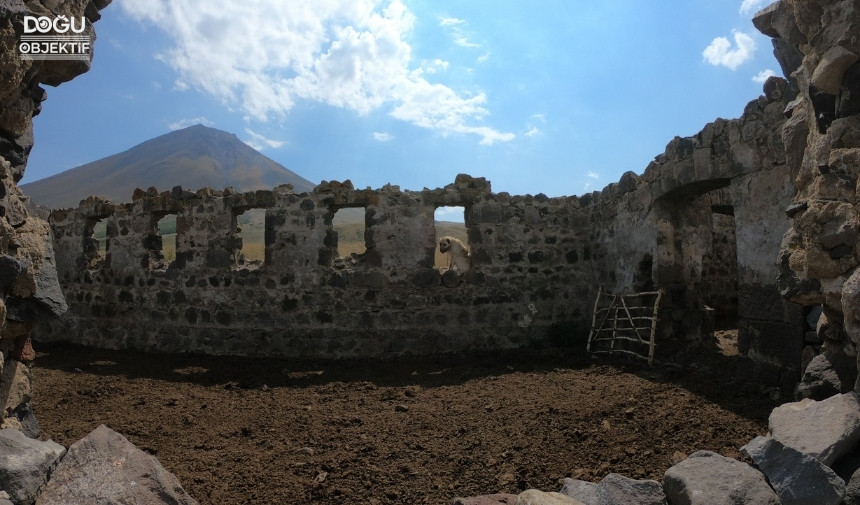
704, 222
817, 45
29, 291
665, 227
531, 277
537, 262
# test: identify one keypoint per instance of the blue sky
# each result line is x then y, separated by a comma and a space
557, 97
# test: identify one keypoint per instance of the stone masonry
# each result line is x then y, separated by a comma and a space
537, 262
29, 290
532, 272
817, 45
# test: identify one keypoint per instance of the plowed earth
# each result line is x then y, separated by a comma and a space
266, 431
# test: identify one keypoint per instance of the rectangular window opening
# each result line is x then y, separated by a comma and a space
450, 226
167, 232
252, 230
349, 225
98, 245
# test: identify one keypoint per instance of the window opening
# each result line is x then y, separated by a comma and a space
349, 226
167, 232
97, 245
449, 222
252, 231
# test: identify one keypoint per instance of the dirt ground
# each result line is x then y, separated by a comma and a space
266, 431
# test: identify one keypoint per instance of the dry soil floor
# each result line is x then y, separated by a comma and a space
266, 431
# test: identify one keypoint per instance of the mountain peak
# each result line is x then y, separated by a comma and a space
193, 157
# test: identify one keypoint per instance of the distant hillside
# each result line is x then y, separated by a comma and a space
194, 157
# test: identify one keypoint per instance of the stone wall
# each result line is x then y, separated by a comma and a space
29, 291
664, 228
532, 273
719, 286
705, 217
816, 44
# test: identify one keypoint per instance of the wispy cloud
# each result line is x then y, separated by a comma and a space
260, 142
764, 75
353, 55
448, 21
751, 6
593, 175
532, 131
458, 31
721, 52
382, 136
184, 123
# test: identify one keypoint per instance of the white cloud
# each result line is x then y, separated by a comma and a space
764, 75
460, 36
463, 41
451, 22
184, 123
260, 142
720, 51
382, 136
593, 175
352, 54
532, 131
437, 65
455, 214
752, 6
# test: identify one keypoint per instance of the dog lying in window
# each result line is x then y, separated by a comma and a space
457, 253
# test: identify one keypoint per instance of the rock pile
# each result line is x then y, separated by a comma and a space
811, 456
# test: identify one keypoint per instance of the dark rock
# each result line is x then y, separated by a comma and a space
25, 464
10, 269
628, 182
48, 301
797, 478
425, 277
828, 374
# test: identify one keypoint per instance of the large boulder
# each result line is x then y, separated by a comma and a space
828, 374
707, 478
25, 464
104, 467
797, 478
825, 430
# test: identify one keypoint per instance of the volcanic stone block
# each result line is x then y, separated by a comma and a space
797, 478
25, 464
825, 430
707, 478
